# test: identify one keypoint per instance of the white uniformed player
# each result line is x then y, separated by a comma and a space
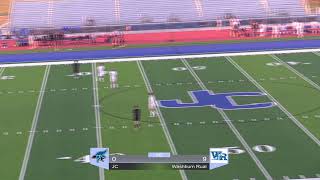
101, 72
152, 105
113, 79
300, 30
262, 29
295, 26
275, 31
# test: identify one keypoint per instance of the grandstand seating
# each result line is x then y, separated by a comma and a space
242, 9
61, 13
291, 8
156, 11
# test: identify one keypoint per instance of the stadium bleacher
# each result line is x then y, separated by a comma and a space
149, 22
250, 9
291, 8
144, 11
55, 13
61, 13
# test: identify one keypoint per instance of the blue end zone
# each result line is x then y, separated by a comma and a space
160, 51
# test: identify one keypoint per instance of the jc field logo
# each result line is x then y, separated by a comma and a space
224, 101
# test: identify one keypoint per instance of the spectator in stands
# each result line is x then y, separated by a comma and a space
283, 29
300, 30
219, 23
254, 28
314, 25
128, 28
31, 42
122, 39
295, 25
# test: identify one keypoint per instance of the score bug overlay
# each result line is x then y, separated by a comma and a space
102, 158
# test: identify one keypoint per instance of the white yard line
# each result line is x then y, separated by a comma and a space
297, 122
316, 53
1, 71
296, 72
306, 179
97, 113
231, 126
162, 121
164, 57
34, 124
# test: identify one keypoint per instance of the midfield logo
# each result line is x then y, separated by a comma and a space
224, 101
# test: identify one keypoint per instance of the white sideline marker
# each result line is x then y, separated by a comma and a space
306, 179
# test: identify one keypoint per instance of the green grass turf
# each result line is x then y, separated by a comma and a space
64, 110
311, 70
283, 134
295, 94
153, 45
196, 138
73, 109
16, 114
118, 133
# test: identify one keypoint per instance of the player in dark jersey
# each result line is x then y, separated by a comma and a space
76, 69
136, 112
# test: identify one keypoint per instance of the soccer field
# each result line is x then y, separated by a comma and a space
50, 119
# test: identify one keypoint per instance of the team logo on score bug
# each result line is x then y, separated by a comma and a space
99, 157
219, 156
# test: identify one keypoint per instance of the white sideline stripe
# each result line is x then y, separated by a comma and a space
165, 57
231, 126
296, 72
162, 121
34, 124
306, 179
97, 114
298, 123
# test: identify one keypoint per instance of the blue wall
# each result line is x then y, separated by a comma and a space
160, 51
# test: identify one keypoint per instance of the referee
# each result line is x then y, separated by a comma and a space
136, 112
